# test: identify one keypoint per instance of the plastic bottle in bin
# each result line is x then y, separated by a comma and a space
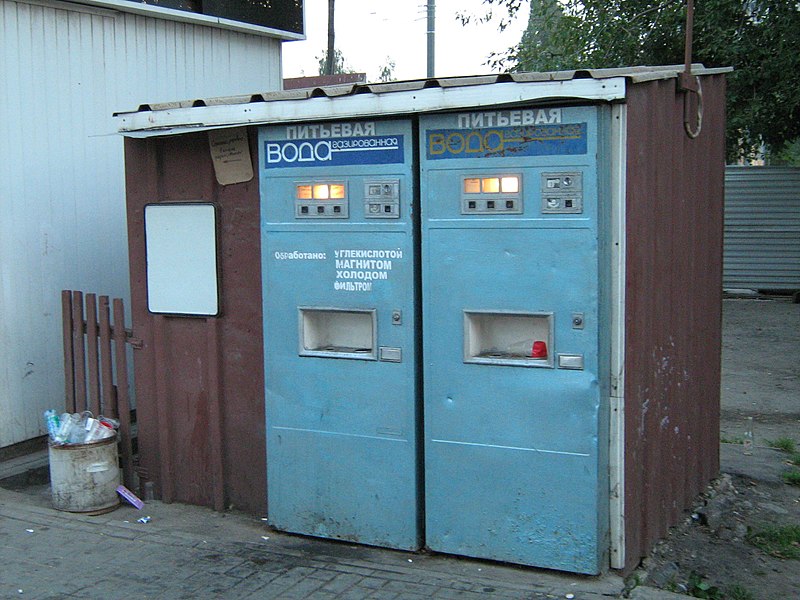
80, 428
52, 423
84, 424
73, 428
93, 430
99, 429
112, 424
66, 424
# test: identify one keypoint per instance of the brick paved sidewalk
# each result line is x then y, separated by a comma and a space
192, 552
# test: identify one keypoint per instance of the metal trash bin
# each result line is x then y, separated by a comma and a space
84, 477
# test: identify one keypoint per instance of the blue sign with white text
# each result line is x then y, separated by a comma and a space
494, 142
334, 152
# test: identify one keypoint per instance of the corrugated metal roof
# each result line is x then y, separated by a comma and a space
398, 97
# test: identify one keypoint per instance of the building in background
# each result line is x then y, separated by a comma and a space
65, 68
296, 83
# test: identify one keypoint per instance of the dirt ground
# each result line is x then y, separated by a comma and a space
711, 554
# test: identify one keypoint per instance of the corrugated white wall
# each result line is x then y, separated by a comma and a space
64, 70
762, 228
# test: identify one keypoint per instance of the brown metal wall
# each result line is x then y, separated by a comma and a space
673, 307
199, 382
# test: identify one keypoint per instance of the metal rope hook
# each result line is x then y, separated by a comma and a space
686, 117
687, 83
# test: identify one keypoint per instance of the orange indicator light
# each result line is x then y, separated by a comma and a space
337, 191
472, 186
491, 185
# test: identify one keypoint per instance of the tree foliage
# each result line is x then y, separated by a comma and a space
759, 38
337, 65
386, 73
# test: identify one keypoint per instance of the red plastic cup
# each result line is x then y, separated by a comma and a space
539, 350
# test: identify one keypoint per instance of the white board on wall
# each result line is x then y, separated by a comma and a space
181, 247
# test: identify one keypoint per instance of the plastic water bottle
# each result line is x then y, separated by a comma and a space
52, 423
93, 428
65, 428
81, 430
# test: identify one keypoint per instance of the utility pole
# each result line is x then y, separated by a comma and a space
329, 57
431, 36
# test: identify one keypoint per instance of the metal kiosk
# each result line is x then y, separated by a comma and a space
492, 303
340, 332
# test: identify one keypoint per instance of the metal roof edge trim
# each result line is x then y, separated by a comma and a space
368, 105
183, 16
697, 70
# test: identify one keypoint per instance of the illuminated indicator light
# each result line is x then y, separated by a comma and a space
322, 191
509, 185
539, 350
304, 192
472, 186
337, 191
491, 185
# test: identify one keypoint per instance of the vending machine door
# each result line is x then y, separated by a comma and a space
515, 459
340, 331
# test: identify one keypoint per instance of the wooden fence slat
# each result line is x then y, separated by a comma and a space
109, 402
123, 399
69, 367
92, 358
79, 360
90, 339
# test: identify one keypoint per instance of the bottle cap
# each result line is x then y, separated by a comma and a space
539, 350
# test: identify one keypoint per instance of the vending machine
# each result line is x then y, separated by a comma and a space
514, 282
340, 330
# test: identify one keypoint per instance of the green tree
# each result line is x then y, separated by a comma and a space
386, 73
759, 38
336, 66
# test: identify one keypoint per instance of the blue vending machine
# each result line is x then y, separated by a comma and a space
515, 334
338, 259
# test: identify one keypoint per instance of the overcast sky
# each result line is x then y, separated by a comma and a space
370, 32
